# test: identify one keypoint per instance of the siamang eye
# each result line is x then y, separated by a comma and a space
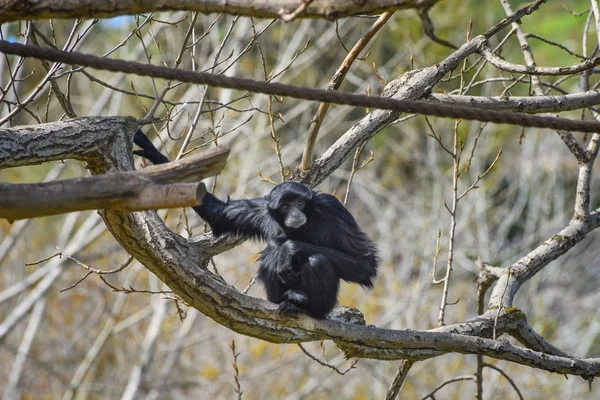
285, 207
300, 204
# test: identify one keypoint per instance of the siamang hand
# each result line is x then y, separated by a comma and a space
147, 149
288, 275
290, 262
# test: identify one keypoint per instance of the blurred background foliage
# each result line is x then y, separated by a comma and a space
398, 199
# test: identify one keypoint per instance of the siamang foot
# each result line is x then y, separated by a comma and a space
297, 296
294, 301
288, 307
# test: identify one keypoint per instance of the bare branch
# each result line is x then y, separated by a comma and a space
335, 83
131, 191
236, 371
332, 367
399, 379
328, 9
532, 340
502, 65
447, 382
162, 186
529, 104
533, 262
508, 378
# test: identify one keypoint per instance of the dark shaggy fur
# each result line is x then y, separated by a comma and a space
300, 268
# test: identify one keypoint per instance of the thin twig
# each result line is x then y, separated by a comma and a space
438, 249
132, 289
288, 17
501, 302
236, 371
94, 270
333, 367
456, 152
335, 83
356, 167
399, 379
508, 378
449, 381
481, 176
44, 259
250, 284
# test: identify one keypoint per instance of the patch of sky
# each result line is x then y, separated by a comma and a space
118, 22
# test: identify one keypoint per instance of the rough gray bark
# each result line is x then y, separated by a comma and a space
175, 184
13, 10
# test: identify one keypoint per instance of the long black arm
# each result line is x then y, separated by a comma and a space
245, 218
351, 252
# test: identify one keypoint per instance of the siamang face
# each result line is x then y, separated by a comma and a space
292, 211
289, 203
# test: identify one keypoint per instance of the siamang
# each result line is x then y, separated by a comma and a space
312, 241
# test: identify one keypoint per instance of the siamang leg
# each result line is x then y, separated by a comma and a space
318, 289
358, 269
273, 285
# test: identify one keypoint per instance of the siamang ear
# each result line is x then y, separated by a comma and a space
309, 195
273, 203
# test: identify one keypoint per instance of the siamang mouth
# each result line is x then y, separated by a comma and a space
294, 223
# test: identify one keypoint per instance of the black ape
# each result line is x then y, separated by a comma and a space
312, 241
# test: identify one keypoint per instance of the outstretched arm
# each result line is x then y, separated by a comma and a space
246, 218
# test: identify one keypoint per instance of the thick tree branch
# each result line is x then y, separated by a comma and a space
119, 191
527, 266
13, 10
527, 104
175, 184
181, 264
412, 85
532, 340
84, 139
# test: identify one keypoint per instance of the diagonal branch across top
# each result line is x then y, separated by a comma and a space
281, 89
